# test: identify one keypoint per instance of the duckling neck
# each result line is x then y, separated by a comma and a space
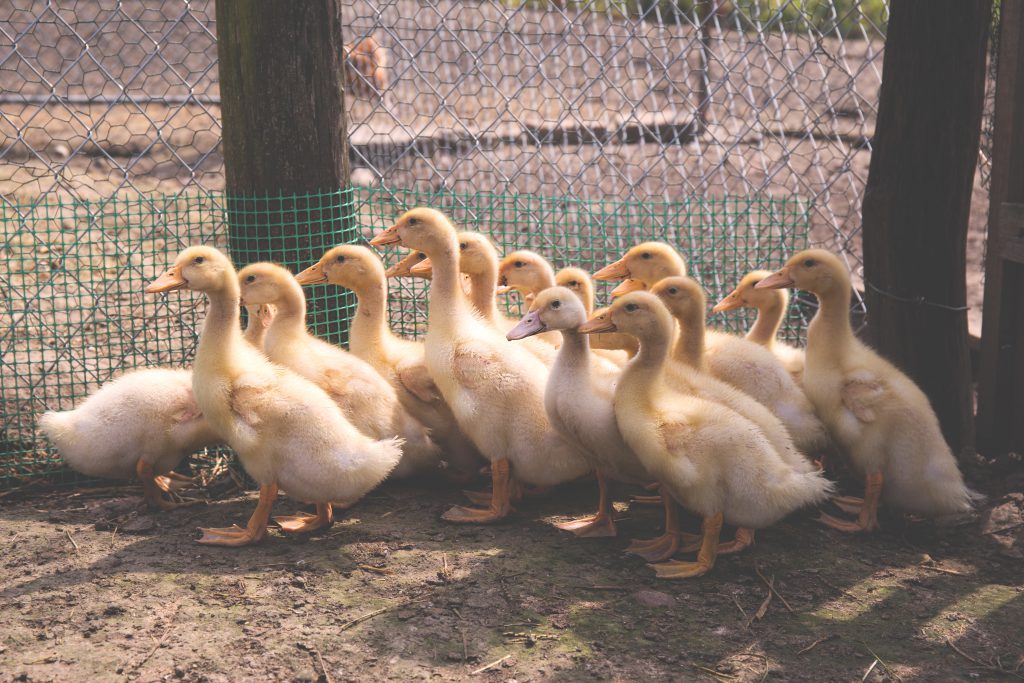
830, 332
644, 373
689, 346
446, 307
769, 320
370, 332
483, 288
573, 354
221, 333
290, 322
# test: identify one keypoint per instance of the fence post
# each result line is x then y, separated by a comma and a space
1001, 381
283, 112
918, 197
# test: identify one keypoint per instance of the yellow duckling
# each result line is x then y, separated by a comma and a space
712, 460
875, 413
771, 305
578, 280
579, 403
367, 399
645, 264
400, 361
287, 432
495, 389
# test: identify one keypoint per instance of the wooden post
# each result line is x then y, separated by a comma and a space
1001, 381
918, 198
283, 111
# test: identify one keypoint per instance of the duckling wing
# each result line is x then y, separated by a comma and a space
861, 392
417, 381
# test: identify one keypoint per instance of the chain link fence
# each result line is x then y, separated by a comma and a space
634, 101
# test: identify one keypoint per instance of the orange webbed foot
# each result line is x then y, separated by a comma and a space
594, 526
304, 523
478, 497
743, 540
465, 515
843, 525
675, 569
232, 536
645, 500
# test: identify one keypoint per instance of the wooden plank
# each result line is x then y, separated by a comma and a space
918, 197
1000, 387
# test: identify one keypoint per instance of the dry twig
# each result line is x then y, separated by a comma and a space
68, 533
819, 641
493, 664
984, 665
323, 669
771, 587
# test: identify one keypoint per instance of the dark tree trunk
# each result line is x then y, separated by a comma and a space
918, 199
1001, 381
283, 111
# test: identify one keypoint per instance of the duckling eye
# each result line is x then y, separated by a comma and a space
462, 246
420, 256
574, 283
632, 307
519, 264
646, 255
198, 259
251, 278
673, 290
556, 304
810, 263
754, 283
340, 259
414, 221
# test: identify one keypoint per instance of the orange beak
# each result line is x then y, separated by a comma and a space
167, 282
403, 267
599, 322
614, 271
314, 275
729, 303
777, 280
423, 269
389, 236
627, 286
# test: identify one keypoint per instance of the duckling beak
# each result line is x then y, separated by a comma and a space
167, 282
504, 289
730, 302
402, 268
313, 275
614, 271
530, 325
596, 324
422, 269
627, 286
777, 280
389, 236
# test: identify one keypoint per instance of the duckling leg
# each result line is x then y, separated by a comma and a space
254, 530
173, 481
647, 500
668, 544
867, 517
499, 504
151, 488
674, 569
601, 524
743, 540
304, 522
515, 492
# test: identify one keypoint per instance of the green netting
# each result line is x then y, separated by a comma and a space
74, 314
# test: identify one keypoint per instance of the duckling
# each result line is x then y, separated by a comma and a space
875, 413
367, 399
711, 459
579, 404
645, 264
771, 305
403, 268
260, 318
141, 424
495, 389
400, 361
749, 367
578, 280
287, 432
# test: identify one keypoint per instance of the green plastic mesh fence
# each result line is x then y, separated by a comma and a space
75, 315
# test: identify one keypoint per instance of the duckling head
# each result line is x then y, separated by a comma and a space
422, 228
683, 297
477, 254
746, 296
348, 265
647, 262
200, 269
816, 271
639, 314
525, 271
264, 283
578, 281
556, 308
404, 268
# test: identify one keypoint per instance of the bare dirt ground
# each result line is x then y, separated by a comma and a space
95, 588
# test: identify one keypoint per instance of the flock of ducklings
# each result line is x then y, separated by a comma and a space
730, 428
